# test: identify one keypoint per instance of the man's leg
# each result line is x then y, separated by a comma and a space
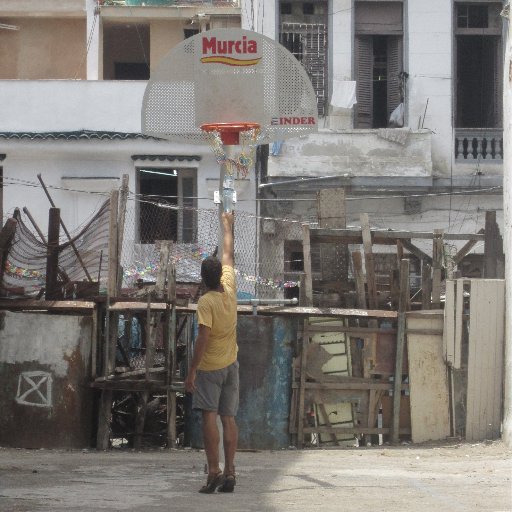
230, 438
211, 441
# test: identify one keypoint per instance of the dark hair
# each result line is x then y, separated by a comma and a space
211, 272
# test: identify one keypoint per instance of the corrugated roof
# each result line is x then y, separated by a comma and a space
76, 135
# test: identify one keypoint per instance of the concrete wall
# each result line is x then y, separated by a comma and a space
44, 367
356, 153
429, 57
43, 48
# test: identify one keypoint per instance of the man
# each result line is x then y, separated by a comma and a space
213, 373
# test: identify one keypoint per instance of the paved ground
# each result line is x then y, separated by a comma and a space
444, 477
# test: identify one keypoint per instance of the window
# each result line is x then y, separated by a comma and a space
308, 8
308, 43
126, 54
189, 32
472, 16
174, 218
378, 62
286, 8
478, 66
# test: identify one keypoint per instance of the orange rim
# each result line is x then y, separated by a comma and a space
229, 127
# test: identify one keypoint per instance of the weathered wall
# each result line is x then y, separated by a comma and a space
356, 153
44, 369
43, 48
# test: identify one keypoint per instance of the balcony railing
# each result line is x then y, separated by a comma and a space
478, 144
168, 3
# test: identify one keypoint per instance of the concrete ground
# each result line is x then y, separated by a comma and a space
452, 477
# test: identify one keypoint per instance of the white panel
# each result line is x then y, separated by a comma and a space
485, 359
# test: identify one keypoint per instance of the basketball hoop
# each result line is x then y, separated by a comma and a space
233, 134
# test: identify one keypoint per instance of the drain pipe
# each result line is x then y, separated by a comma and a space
266, 302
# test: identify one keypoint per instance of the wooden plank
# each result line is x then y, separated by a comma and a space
459, 324
485, 359
308, 276
464, 251
426, 285
6, 237
385, 386
428, 381
327, 422
437, 265
369, 263
302, 385
416, 251
75, 306
264, 310
400, 342
351, 330
384, 237
357, 264
352, 430
490, 246
449, 322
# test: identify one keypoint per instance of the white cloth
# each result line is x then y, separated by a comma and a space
343, 94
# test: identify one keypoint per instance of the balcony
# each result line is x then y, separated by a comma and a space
380, 152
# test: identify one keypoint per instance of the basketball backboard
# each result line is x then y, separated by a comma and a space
229, 76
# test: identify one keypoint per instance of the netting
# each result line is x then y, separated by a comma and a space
25, 267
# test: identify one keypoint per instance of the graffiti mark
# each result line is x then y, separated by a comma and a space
35, 389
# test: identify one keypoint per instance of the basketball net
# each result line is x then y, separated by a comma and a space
244, 159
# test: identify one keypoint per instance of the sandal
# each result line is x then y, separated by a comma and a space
228, 485
212, 483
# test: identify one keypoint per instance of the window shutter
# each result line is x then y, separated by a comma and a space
498, 84
395, 53
364, 79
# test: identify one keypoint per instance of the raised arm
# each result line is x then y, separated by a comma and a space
228, 255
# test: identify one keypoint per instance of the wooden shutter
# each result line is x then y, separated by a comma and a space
498, 83
364, 79
395, 59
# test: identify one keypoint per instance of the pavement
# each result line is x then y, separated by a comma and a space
452, 477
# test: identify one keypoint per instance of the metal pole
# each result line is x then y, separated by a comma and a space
507, 192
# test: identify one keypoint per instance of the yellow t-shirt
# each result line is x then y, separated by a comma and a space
217, 310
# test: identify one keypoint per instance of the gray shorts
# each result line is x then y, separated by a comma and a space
217, 390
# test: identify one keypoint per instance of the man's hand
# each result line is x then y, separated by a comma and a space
190, 381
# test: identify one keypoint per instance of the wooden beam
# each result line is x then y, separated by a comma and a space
6, 237
466, 249
400, 344
52, 291
357, 263
383, 237
308, 276
437, 266
353, 430
416, 251
368, 259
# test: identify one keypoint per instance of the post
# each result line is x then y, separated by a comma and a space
400, 343
507, 193
52, 257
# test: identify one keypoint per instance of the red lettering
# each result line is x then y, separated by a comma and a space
311, 120
230, 46
209, 44
252, 47
296, 120
303, 120
286, 120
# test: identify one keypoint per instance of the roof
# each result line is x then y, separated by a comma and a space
75, 135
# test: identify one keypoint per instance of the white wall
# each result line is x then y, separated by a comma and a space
429, 27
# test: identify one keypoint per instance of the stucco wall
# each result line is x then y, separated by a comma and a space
430, 75
356, 153
44, 370
43, 48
